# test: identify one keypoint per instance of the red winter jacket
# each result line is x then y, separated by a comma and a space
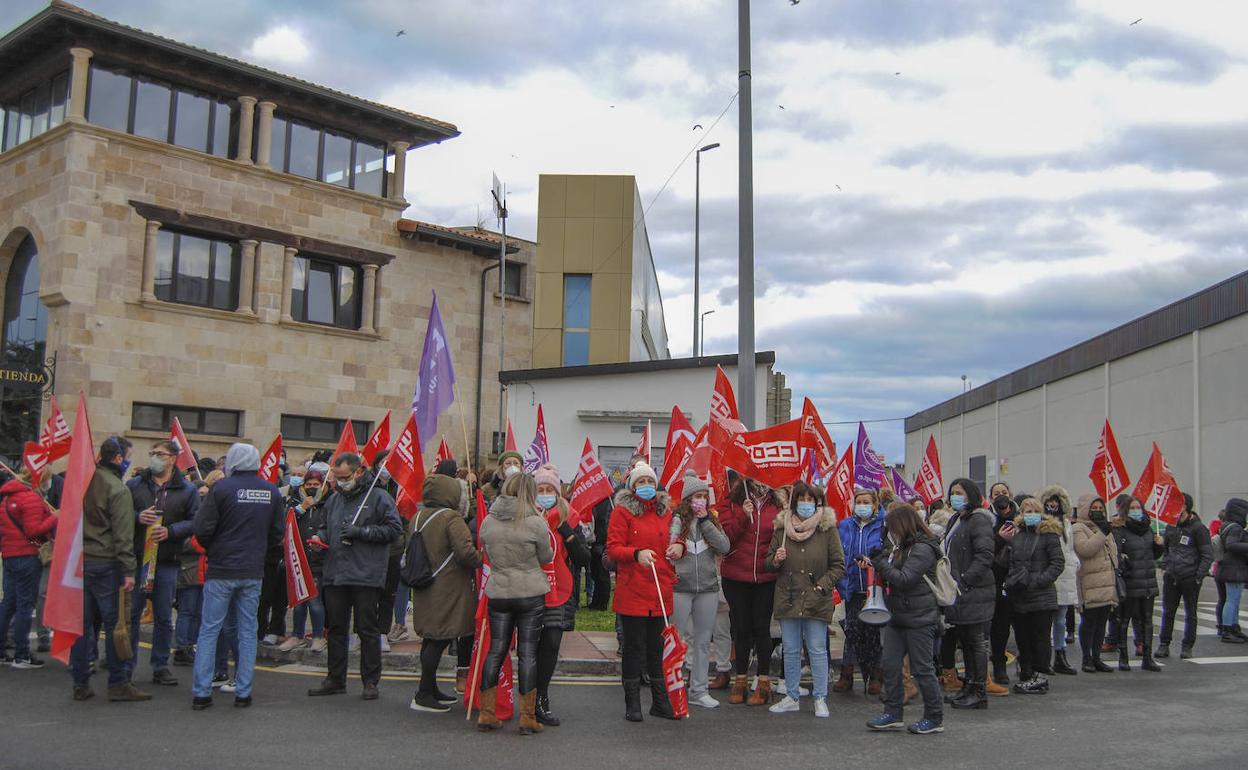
23, 505
750, 537
637, 525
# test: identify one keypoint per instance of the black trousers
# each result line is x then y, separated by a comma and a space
750, 606
430, 655
601, 599
1171, 593
340, 603
1221, 586
385, 604
973, 638
524, 617
1138, 612
271, 612
1092, 630
1033, 632
643, 646
548, 647
1002, 619
463, 651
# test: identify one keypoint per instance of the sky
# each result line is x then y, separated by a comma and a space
941, 189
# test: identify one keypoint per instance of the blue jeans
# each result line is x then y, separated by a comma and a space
1059, 628
1230, 610
814, 632
101, 583
164, 586
227, 643
21, 590
190, 602
316, 608
220, 597
401, 600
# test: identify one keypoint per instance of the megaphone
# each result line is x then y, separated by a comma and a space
875, 611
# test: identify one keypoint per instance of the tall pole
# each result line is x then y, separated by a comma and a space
500, 210
745, 224
697, 233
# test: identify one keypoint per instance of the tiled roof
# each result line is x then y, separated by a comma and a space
473, 235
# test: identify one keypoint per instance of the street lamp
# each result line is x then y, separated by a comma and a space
697, 228
965, 387
703, 338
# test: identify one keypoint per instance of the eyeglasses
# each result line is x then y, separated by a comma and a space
159, 454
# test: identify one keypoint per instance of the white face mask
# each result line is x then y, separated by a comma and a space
510, 471
157, 465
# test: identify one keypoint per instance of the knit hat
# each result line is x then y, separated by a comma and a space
547, 474
510, 454
641, 470
693, 485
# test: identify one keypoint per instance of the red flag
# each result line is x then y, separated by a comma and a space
771, 455
406, 504
271, 461
591, 486
678, 428
1158, 490
300, 586
723, 400
55, 435
346, 442
929, 483
815, 438
62, 611
1109, 472
841, 485
504, 705
675, 460
35, 458
444, 451
674, 651
509, 445
186, 458
378, 441
643, 446
404, 462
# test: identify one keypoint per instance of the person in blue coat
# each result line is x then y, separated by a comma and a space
860, 534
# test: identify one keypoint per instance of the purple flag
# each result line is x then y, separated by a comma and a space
435, 380
538, 453
868, 470
904, 491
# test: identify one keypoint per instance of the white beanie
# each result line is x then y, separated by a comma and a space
641, 470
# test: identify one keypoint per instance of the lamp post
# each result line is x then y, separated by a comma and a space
746, 365
702, 340
697, 233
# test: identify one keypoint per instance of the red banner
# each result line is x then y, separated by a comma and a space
444, 451
186, 458
1158, 490
504, 704
404, 461
772, 455
377, 442
509, 444
62, 611
300, 586
55, 435
675, 460
679, 428
929, 483
674, 651
1109, 472
723, 399
35, 458
643, 446
841, 485
590, 488
346, 442
815, 437
271, 462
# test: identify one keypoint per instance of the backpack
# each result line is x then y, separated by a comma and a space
1219, 548
415, 569
944, 587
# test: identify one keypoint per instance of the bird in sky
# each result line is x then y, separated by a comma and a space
1137, 21
400, 33
781, 106
838, 188
794, 2
696, 126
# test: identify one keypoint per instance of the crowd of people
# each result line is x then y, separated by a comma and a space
910, 585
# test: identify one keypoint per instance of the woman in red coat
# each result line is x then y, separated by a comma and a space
24, 524
748, 520
637, 542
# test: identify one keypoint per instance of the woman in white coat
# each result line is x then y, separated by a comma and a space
1057, 504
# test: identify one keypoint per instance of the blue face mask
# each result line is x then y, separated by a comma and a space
1135, 515
1031, 519
805, 509
296, 481
646, 491
863, 511
957, 502
546, 501
125, 466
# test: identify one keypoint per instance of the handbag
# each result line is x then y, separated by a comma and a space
1120, 582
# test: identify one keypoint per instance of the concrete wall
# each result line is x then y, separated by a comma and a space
1189, 395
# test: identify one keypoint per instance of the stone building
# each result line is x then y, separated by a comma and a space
190, 235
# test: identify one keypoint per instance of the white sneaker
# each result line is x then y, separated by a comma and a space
821, 708
705, 701
782, 689
292, 643
229, 686
785, 706
271, 639
385, 644
319, 645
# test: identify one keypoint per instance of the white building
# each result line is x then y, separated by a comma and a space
1177, 376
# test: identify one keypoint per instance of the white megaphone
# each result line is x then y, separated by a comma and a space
875, 611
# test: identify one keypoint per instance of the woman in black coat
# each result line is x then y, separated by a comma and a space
970, 549
1004, 510
1033, 561
1139, 547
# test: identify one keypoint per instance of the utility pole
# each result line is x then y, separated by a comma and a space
745, 224
500, 212
697, 238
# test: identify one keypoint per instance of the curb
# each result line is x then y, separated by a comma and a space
410, 661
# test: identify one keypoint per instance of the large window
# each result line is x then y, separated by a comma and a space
576, 293
194, 419
318, 153
325, 292
321, 430
35, 111
147, 107
512, 283
197, 271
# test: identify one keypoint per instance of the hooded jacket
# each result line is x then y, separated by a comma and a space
810, 571
516, 551
1067, 582
1138, 553
1234, 565
910, 598
969, 546
240, 520
858, 539
1034, 562
177, 501
1188, 551
637, 525
445, 610
365, 560
1098, 563
23, 519
697, 571
750, 536
108, 519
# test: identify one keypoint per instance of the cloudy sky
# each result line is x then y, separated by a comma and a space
940, 188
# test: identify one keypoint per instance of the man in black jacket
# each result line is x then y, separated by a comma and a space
240, 519
1184, 565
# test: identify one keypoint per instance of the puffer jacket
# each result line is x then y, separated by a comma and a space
446, 609
23, 519
910, 598
1067, 582
516, 551
1034, 563
310, 522
1098, 563
1138, 553
177, 500
574, 552
697, 570
858, 539
969, 546
365, 560
638, 525
1001, 561
1234, 565
1189, 553
750, 536
810, 571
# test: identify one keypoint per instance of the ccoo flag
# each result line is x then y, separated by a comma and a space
1158, 490
1109, 472
929, 483
435, 382
62, 612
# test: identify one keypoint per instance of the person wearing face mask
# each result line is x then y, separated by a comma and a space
1139, 546
749, 520
860, 534
968, 544
637, 541
1097, 579
1034, 561
509, 464
1233, 567
305, 498
1185, 565
806, 552
25, 525
1005, 510
164, 501
698, 540
1056, 502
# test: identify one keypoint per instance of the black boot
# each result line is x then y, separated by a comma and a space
1163, 651
1149, 664
543, 712
660, 704
632, 700
1088, 666
1124, 659
974, 697
1061, 665
1000, 674
1101, 666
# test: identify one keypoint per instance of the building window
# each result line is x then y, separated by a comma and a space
325, 292
314, 152
209, 422
576, 293
321, 430
34, 111
977, 468
513, 284
146, 107
192, 270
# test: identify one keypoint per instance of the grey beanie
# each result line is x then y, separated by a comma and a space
693, 485
242, 457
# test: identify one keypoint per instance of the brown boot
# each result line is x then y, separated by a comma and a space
528, 714
487, 720
846, 681
949, 681
127, 692
720, 682
461, 680
994, 689
876, 683
737, 694
762, 693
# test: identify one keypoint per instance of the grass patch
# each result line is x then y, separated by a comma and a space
595, 620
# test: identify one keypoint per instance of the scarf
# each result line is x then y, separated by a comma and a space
799, 529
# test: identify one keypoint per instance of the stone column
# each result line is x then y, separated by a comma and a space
247, 277
149, 260
288, 277
369, 299
264, 142
246, 122
378, 306
400, 169
76, 111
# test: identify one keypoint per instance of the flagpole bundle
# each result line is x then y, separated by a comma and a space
463, 424
473, 684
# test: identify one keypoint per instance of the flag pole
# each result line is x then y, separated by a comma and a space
473, 684
363, 502
463, 424
42, 499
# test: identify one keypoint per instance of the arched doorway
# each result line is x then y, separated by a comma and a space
24, 339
